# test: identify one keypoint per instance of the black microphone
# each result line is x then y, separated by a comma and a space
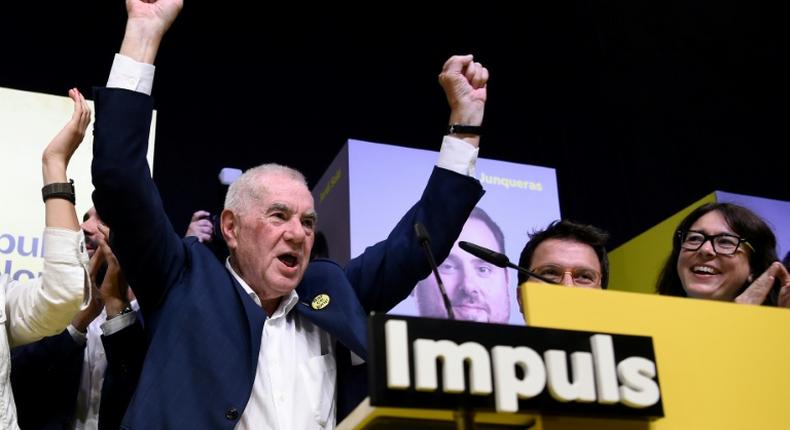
425, 241
497, 259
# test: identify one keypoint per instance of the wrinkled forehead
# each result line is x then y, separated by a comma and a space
283, 190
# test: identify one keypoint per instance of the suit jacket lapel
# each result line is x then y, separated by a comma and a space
256, 316
343, 316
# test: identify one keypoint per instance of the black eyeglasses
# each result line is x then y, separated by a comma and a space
723, 243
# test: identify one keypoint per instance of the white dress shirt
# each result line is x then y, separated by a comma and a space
294, 385
94, 365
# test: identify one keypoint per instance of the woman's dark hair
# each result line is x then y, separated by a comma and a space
744, 223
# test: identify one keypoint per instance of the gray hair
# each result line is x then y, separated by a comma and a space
247, 189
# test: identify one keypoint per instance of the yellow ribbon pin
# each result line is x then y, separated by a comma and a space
320, 301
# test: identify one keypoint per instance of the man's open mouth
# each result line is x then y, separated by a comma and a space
289, 260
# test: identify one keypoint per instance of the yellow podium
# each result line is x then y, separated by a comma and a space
721, 365
368, 417
708, 365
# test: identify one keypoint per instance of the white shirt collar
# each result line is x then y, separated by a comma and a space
286, 304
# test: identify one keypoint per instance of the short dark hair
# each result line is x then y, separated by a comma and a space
744, 223
568, 230
479, 213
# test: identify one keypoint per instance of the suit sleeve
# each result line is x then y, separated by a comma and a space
385, 273
126, 198
125, 352
43, 356
54, 364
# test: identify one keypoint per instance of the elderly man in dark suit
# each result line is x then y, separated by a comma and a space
265, 340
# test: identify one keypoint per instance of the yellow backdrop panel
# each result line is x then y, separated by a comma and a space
634, 266
720, 365
28, 121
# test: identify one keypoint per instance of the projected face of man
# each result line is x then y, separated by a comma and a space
478, 290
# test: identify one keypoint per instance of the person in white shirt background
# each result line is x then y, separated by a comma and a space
44, 306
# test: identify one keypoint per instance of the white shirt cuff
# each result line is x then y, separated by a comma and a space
118, 323
64, 246
78, 336
131, 75
458, 155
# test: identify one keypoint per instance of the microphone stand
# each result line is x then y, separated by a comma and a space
528, 273
425, 241
464, 417
497, 259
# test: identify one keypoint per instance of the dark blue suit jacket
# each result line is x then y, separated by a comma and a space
205, 331
125, 351
45, 377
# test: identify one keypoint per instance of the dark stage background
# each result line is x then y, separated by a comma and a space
641, 107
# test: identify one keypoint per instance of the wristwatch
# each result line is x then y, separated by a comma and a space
476, 130
59, 190
126, 309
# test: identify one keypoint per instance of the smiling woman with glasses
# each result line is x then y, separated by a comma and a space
723, 251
